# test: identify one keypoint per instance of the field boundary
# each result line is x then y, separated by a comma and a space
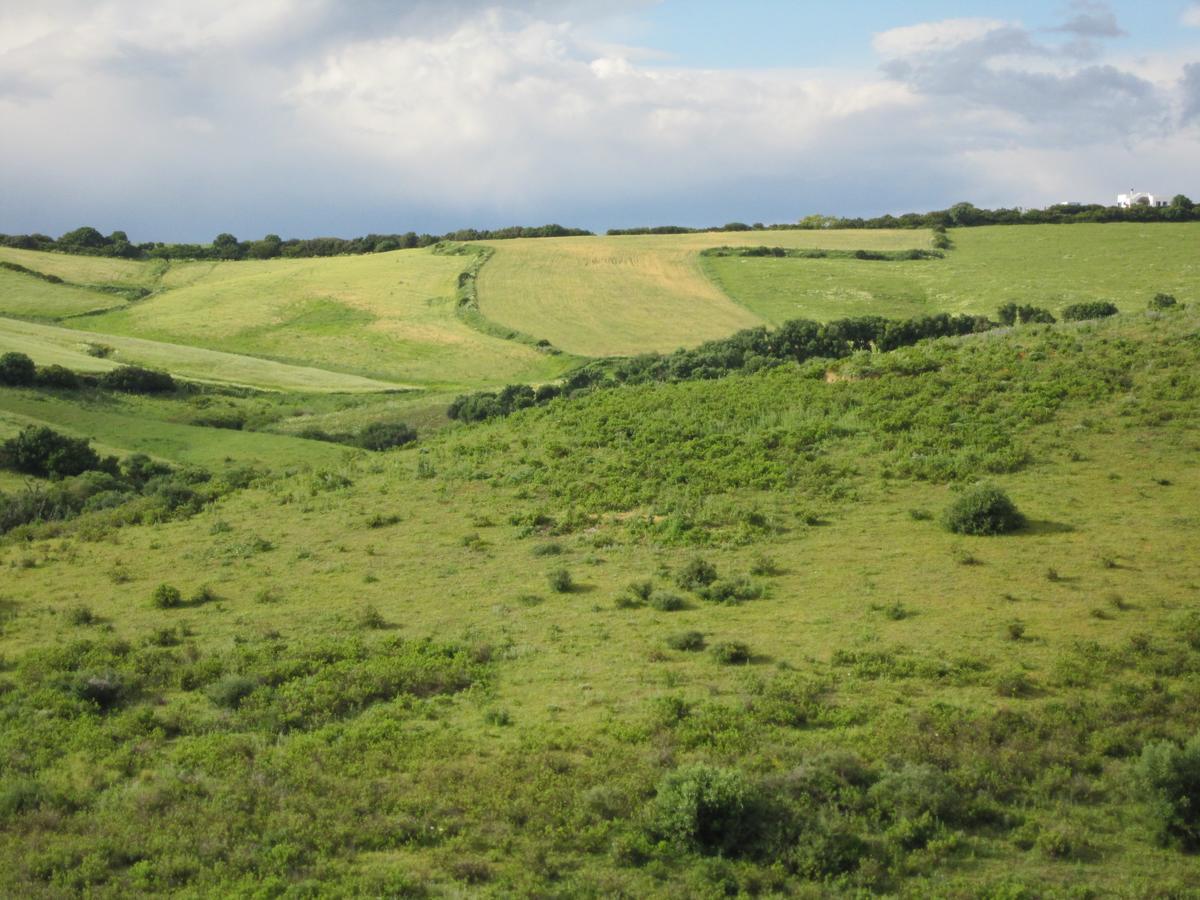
466, 299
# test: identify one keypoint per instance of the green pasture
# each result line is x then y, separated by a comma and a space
616, 296
880, 641
388, 317
1043, 265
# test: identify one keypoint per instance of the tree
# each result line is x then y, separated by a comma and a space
268, 248
46, 453
16, 369
226, 246
85, 238
1179, 201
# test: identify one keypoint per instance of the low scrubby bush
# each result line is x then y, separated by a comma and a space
707, 809
665, 601
230, 691
561, 581
1095, 309
731, 590
983, 509
386, 435
57, 377
731, 653
1162, 301
690, 641
696, 573
166, 596
1170, 775
136, 380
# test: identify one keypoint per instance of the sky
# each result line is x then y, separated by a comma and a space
176, 120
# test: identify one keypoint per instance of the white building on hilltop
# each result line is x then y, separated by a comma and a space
1135, 198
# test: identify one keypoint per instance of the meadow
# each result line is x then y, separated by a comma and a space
620, 296
1045, 265
702, 637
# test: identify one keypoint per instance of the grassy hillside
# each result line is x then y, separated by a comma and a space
390, 316
607, 296
388, 689
1044, 265
69, 347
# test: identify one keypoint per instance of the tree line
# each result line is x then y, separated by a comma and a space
960, 215
88, 241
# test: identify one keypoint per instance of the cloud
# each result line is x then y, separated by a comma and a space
296, 117
1092, 20
1191, 16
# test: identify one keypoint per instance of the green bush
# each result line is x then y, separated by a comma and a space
696, 573
166, 596
731, 590
57, 377
1095, 309
732, 653
43, 452
691, 641
706, 809
1170, 775
16, 370
1162, 301
983, 509
230, 691
561, 581
136, 380
105, 689
665, 601
386, 435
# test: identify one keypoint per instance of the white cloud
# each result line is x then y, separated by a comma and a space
934, 37
1191, 16
292, 116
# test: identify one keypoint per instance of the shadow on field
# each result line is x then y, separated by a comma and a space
1036, 527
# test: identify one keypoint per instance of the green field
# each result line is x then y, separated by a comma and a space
1044, 265
389, 317
616, 296
376, 680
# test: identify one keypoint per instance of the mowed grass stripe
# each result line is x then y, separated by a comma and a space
606, 296
52, 345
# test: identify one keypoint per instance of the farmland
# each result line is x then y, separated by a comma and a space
493, 661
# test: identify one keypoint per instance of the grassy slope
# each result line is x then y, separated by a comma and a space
50, 345
388, 316
122, 425
88, 269
25, 295
440, 785
608, 296
1044, 265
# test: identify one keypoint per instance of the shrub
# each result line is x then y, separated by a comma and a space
57, 377
561, 581
386, 435
698, 572
706, 809
1162, 301
104, 689
765, 566
166, 596
690, 641
731, 590
136, 380
81, 615
547, 549
731, 653
203, 594
41, 451
1170, 774
1015, 630
16, 370
665, 601
1096, 309
371, 618
983, 509
230, 691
